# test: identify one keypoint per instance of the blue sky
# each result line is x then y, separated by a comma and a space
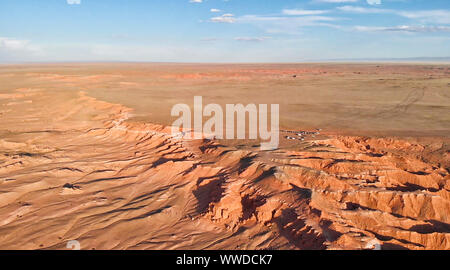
222, 30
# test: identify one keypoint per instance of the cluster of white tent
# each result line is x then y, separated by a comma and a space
301, 134
292, 138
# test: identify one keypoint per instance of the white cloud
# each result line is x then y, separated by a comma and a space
225, 18
12, 49
209, 39
74, 2
374, 2
195, 1
354, 9
251, 39
304, 20
291, 21
286, 25
12, 44
215, 10
404, 28
424, 16
428, 16
303, 12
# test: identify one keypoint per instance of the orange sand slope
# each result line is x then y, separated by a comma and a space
73, 168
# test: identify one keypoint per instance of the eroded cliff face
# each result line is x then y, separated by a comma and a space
344, 192
73, 168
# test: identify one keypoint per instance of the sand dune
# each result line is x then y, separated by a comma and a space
76, 167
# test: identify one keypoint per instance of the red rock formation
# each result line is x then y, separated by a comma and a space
111, 184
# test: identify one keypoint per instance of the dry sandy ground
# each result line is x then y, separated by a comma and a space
85, 155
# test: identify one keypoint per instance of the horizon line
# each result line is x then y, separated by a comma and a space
306, 61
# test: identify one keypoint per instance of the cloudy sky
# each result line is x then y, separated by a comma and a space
222, 30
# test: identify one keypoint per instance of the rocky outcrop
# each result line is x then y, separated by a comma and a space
92, 176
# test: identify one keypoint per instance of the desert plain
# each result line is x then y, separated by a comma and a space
87, 154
